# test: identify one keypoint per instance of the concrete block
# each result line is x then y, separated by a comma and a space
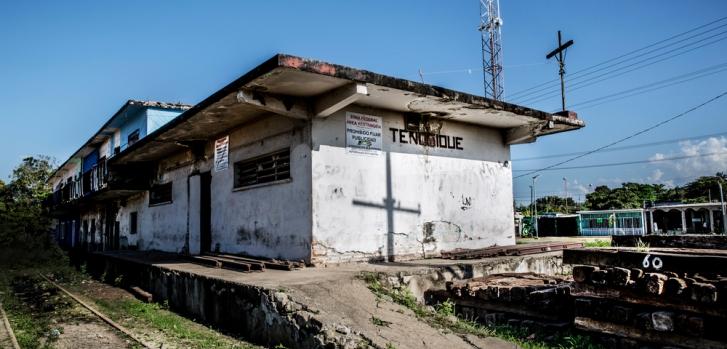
620, 276
517, 293
675, 287
690, 325
582, 273
704, 293
643, 320
662, 321
493, 292
599, 277
620, 314
636, 273
583, 307
505, 294
655, 283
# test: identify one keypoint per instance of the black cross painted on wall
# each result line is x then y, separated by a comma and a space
391, 206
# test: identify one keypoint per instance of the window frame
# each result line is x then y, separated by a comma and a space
133, 223
254, 161
136, 133
161, 187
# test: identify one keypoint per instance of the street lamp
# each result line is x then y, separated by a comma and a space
535, 206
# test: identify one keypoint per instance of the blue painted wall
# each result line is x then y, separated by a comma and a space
156, 118
134, 119
90, 160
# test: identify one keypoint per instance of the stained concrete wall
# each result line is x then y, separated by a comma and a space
272, 220
334, 208
160, 227
442, 198
92, 225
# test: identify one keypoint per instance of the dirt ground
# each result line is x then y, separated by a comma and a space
348, 302
89, 335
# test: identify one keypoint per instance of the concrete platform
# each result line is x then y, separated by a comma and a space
311, 307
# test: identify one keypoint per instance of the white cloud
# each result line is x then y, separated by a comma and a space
696, 165
656, 175
579, 188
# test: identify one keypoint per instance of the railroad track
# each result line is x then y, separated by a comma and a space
511, 250
8, 328
100, 315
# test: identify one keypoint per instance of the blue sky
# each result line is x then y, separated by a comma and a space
67, 66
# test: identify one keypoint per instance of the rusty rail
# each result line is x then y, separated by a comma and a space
99, 314
511, 250
9, 329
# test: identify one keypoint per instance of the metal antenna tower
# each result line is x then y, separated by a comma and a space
490, 23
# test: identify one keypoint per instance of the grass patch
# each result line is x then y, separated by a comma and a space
597, 243
177, 329
379, 322
442, 315
34, 306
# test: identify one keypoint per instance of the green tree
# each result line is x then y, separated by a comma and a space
633, 195
24, 221
628, 195
558, 204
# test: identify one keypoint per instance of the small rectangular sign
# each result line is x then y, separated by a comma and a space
363, 133
222, 147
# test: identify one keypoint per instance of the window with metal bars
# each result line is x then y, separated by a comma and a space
268, 168
160, 194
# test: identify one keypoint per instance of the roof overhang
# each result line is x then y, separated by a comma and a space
304, 89
111, 125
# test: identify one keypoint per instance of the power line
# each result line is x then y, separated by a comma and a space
624, 55
471, 70
574, 77
627, 162
630, 136
684, 78
639, 145
609, 74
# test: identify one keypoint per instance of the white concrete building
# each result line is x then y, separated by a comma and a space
306, 160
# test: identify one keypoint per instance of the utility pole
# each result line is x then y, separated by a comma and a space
531, 201
560, 57
565, 188
724, 221
535, 205
490, 23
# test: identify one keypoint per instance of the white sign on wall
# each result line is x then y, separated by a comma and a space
222, 147
363, 133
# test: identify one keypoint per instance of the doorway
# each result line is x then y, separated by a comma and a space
205, 212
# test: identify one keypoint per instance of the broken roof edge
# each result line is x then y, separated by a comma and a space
281, 60
365, 76
127, 104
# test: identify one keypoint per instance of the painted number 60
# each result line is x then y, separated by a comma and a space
655, 262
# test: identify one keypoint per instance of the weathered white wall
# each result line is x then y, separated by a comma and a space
92, 216
271, 220
136, 203
161, 227
106, 149
456, 198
